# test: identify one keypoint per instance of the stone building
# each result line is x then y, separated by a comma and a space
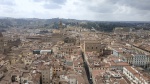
90, 46
47, 74
69, 40
135, 76
1, 43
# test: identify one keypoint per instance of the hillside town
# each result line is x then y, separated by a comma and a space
74, 55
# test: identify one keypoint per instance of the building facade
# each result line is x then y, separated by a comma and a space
1, 44
134, 76
138, 60
47, 74
90, 46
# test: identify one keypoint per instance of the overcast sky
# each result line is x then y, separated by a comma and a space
101, 10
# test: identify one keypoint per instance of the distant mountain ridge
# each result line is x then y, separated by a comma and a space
8, 22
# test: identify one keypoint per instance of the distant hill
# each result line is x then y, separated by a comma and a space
7, 22
32, 22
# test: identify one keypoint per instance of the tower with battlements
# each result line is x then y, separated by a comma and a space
60, 27
1, 43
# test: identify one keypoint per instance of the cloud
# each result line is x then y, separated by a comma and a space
110, 5
103, 10
38, 0
51, 1
7, 2
138, 4
51, 6
119, 9
59, 1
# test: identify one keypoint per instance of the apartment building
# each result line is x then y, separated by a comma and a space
138, 59
134, 76
132, 56
47, 74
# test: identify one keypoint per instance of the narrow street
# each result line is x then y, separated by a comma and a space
87, 69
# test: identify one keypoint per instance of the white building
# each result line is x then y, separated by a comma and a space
134, 76
138, 60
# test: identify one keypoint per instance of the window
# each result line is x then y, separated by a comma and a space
96, 47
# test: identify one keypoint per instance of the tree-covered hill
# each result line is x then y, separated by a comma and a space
107, 26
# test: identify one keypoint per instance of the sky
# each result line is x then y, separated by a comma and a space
98, 10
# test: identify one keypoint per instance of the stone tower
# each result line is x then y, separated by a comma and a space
60, 27
1, 43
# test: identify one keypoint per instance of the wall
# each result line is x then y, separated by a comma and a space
94, 46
